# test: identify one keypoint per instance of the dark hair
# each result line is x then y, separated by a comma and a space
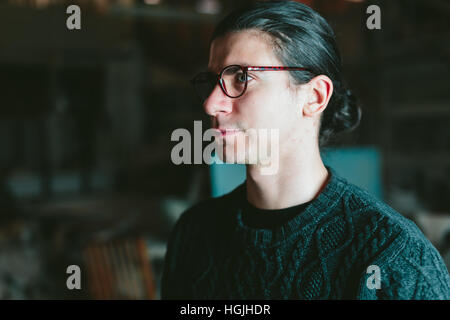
303, 38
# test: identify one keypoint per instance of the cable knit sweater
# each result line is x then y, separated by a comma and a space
324, 252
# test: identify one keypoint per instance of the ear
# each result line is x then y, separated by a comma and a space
319, 93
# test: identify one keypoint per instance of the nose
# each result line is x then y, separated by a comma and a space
217, 102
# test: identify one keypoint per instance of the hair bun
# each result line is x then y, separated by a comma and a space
342, 114
350, 112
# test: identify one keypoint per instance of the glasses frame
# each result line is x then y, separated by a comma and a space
245, 70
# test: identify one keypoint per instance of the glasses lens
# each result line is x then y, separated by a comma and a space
233, 81
204, 84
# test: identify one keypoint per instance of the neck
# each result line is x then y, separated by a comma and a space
299, 179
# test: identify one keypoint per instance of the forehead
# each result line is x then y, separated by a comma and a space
247, 48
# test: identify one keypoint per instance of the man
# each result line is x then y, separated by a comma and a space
302, 232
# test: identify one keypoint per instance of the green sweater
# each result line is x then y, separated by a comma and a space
326, 251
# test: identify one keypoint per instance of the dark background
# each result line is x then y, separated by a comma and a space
86, 117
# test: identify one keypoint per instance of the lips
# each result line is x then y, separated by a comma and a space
227, 132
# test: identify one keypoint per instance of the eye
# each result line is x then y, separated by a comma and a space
241, 77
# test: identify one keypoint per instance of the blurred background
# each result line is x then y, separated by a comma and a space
86, 118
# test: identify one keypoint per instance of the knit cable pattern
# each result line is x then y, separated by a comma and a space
322, 253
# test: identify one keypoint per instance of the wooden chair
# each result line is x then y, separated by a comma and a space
119, 269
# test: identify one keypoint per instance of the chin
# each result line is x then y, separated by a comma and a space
231, 155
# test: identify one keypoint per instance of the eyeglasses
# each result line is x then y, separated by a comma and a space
232, 79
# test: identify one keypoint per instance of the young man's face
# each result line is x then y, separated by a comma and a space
271, 100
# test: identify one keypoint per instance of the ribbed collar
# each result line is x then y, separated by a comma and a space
318, 209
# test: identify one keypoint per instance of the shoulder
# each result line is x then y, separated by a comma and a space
381, 224
364, 222
373, 216
411, 267
194, 234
